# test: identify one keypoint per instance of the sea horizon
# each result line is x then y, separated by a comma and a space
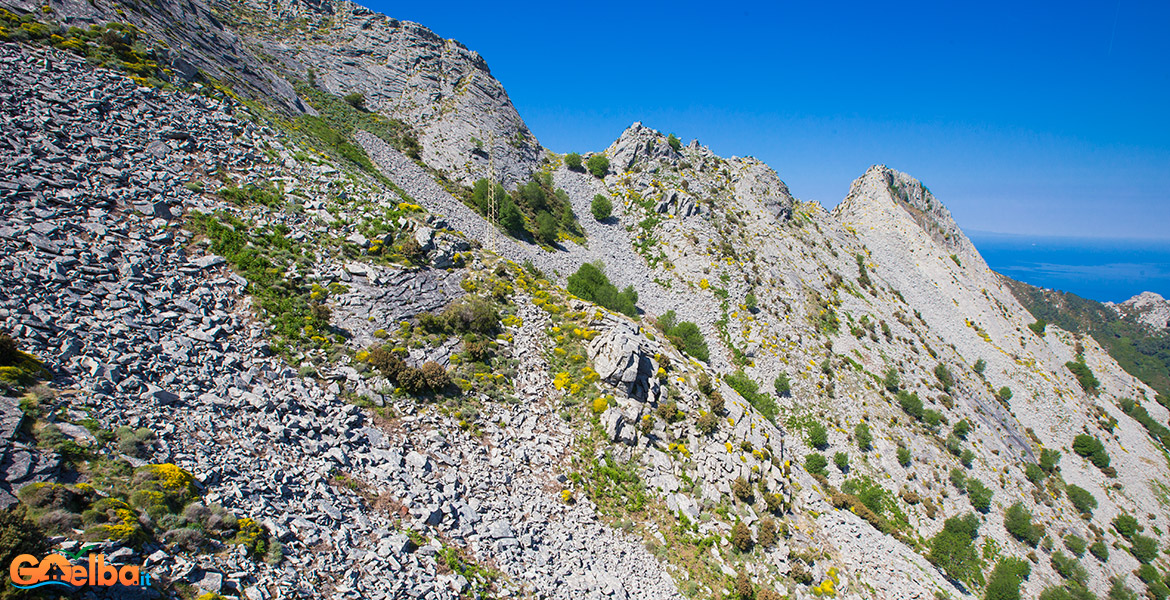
1105, 269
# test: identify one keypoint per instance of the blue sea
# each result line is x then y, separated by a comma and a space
1101, 269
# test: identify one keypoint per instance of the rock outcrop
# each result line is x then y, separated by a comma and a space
1148, 308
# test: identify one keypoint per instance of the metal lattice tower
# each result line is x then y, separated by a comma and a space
493, 204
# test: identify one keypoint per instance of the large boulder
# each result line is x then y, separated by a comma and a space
625, 359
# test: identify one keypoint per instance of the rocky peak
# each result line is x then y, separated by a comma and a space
757, 180
1148, 308
639, 144
880, 187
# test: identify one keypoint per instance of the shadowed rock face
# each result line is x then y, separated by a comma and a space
405, 71
204, 44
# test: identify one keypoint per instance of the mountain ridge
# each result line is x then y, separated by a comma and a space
404, 397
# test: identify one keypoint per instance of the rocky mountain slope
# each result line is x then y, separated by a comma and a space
266, 341
1148, 308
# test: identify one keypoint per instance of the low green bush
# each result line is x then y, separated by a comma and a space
818, 436
684, 335
979, 495
1017, 520
1004, 582
815, 464
953, 549
601, 207
1092, 449
782, 386
863, 436
1144, 548
1126, 525
590, 283
1084, 376
1069, 567
910, 403
573, 161
945, 379
1082, 499
598, 165
750, 390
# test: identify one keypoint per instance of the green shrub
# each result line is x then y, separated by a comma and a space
872, 495
818, 436
782, 386
1156, 430
1092, 449
979, 495
1017, 520
19, 535
1038, 327
252, 195
1100, 551
904, 456
944, 376
962, 428
1004, 394
815, 463
911, 404
1147, 573
959, 479
590, 283
842, 461
598, 165
685, 336
472, 314
707, 423
980, 366
573, 161
751, 302
891, 380
601, 208
546, 228
953, 548
766, 532
1068, 567
510, 218
1119, 591
1084, 376
1126, 525
1034, 473
863, 436
356, 100
674, 143
1144, 548
1005, 580
932, 418
750, 390
1049, 459
741, 537
967, 457
1082, 499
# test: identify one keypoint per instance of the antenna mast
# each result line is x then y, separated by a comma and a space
493, 203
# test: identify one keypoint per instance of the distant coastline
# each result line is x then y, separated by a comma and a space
1102, 269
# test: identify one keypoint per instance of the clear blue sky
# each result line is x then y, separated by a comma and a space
1050, 119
